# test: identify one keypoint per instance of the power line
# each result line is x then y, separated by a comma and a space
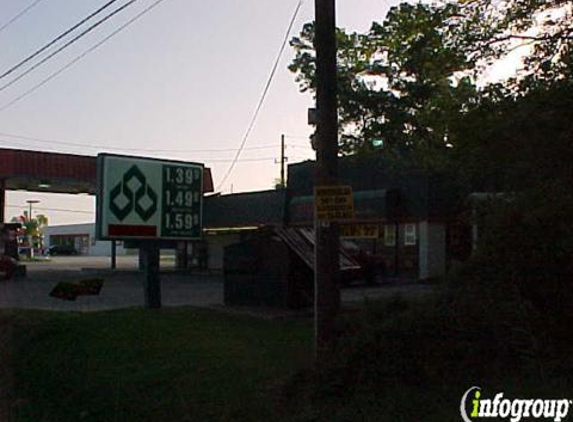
250, 160
19, 15
81, 56
205, 160
104, 147
53, 209
55, 40
297, 137
244, 160
264, 94
300, 146
69, 43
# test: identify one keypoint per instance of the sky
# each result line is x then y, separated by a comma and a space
186, 76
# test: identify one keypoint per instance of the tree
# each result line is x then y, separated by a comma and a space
488, 30
399, 85
407, 81
33, 228
514, 144
522, 146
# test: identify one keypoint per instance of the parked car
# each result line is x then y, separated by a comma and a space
8, 266
372, 266
25, 251
62, 250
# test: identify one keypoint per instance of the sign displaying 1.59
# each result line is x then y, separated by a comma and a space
181, 215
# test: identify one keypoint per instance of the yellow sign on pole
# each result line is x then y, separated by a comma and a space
333, 203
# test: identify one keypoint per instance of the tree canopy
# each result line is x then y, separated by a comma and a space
397, 83
409, 82
32, 227
493, 29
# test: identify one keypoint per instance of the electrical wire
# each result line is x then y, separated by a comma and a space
263, 96
19, 15
66, 45
204, 160
300, 146
121, 28
81, 56
297, 137
52, 209
244, 160
58, 38
107, 147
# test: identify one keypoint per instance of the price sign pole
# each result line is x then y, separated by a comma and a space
152, 280
146, 201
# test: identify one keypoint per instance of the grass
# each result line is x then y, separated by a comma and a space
136, 365
395, 364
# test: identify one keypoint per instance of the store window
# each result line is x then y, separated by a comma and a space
390, 235
410, 234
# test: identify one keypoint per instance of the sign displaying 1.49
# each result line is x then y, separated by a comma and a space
181, 215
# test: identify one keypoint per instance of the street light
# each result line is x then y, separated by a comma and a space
30, 202
30, 238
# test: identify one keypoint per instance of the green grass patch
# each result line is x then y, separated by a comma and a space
395, 360
137, 365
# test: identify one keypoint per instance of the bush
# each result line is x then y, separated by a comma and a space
397, 357
526, 250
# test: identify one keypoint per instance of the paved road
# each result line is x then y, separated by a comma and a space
77, 263
124, 288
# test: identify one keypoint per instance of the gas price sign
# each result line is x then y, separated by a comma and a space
144, 198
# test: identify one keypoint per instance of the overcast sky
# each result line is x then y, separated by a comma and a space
187, 75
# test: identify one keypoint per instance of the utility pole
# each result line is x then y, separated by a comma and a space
283, 159
327, 267
30, 237
30, 203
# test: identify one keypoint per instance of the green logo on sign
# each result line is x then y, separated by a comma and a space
133, 194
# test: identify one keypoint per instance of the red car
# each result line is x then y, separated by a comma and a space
8, 266
371, 266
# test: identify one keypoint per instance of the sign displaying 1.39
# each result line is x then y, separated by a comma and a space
181, 201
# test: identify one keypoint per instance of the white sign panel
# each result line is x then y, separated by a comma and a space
145, 198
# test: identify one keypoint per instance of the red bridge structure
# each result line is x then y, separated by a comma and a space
50, 172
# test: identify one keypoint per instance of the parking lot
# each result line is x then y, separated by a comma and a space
41, 268
123, 288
